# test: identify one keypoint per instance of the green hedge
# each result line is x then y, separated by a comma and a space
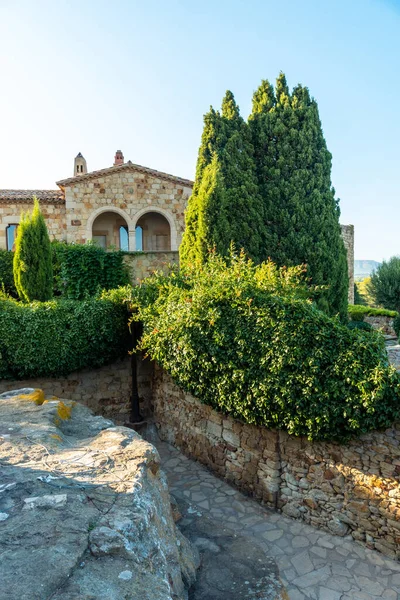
360, 325
6, 273
83, 270
250, 348
80, 271
58, 337
357, 312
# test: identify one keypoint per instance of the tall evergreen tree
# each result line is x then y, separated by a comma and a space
206, 217
33, 270
225, 205
294, 176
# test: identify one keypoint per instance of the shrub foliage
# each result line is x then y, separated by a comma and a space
384, 285
7, 284
33, 270
57, 337
245, 341
82, 271
357, 312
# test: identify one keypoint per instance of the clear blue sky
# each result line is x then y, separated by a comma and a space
94, 76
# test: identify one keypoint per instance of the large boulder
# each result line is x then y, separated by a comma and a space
84, 508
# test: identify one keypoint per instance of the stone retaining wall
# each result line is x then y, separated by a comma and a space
350, 489
106, 390
143, 264
383, 324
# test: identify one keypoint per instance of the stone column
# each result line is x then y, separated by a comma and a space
348, 239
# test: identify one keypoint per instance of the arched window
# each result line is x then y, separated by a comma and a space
155, 233
139, 238
123, 238
110, 230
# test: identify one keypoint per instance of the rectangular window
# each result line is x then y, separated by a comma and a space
11, 234
101, 240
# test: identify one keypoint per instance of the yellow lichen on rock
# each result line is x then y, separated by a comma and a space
54, 436
64, 411
37, 396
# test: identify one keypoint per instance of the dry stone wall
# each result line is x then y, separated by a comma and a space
345, 489
106, 390
383, 324
143, 264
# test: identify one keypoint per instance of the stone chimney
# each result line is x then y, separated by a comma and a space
80, 166
119, 158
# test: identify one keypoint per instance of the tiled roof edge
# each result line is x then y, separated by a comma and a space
21, 196
125, 167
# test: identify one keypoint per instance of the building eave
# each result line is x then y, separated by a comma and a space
26, 196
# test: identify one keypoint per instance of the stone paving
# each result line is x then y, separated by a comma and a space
393, 350
312, 563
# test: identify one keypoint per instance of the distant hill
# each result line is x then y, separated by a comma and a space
364, 268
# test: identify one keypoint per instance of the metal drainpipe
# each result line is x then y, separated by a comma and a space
136, 332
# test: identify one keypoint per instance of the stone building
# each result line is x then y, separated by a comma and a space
125, 206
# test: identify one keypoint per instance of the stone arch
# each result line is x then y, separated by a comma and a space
166, 214
110, 210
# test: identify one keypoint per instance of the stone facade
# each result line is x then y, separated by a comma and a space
97, 205
129, 190
106, 390
345, 489
14, 202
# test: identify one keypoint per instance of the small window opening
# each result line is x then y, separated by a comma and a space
139, 238
11, 236
123, 239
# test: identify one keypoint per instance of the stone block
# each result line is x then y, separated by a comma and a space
231, 437
214, 429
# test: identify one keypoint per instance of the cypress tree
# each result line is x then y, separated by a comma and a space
294, 175
244, 204
225, 205
32, 266
206, 217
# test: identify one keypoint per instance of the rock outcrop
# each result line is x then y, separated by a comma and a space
85, 510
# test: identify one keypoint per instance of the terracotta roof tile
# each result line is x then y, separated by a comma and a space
128, 166
20, 196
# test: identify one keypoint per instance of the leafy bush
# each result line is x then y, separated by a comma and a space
57, 337
33, 269
385, 284
357, 312
242, 340
359, 325
82, 271
6, 273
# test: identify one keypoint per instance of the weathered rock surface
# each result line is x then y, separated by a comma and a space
84, 509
